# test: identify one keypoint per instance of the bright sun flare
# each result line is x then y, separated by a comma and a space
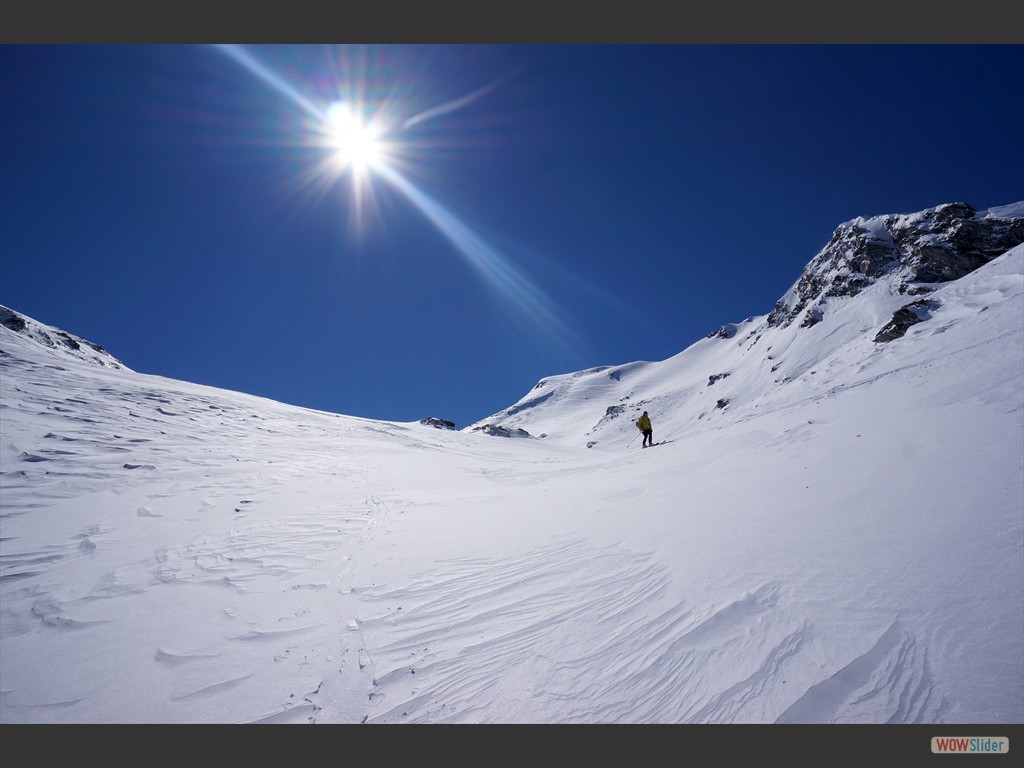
355, 148
356, 145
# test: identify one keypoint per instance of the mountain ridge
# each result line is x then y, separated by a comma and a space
893, 257
57, 339
875, 278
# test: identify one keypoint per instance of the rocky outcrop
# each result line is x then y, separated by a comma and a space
904, 317
727, 331
954, 241
57, 340
438, 423
915, 250
11, 319
499, 431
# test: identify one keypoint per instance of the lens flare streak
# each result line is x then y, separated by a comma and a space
487, 261
244, 58
360, 148
447, 107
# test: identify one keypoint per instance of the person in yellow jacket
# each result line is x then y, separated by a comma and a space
644, 425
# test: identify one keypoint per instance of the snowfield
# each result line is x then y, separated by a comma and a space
829, 530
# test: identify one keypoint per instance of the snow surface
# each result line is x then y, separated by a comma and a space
830, 533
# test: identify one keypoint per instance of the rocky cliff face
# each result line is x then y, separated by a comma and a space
915, 251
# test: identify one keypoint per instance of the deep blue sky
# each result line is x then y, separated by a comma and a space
156, 201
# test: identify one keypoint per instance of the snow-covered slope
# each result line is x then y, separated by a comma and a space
841, 541
71, 346
827, 324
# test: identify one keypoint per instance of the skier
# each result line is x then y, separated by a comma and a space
644, 425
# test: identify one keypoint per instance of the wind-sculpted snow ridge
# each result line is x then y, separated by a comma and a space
594, 640
890, 683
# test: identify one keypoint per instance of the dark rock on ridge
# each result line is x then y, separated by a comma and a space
499, 431
917, 250
438, 423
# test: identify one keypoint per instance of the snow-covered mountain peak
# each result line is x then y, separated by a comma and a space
875, 279
911, 251
17, 328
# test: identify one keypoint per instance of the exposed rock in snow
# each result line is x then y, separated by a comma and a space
438, 423
904, 317
57, 340
915, 250
499, 431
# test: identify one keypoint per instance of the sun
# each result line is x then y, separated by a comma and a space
356, 145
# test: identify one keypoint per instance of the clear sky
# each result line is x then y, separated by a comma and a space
533, 209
